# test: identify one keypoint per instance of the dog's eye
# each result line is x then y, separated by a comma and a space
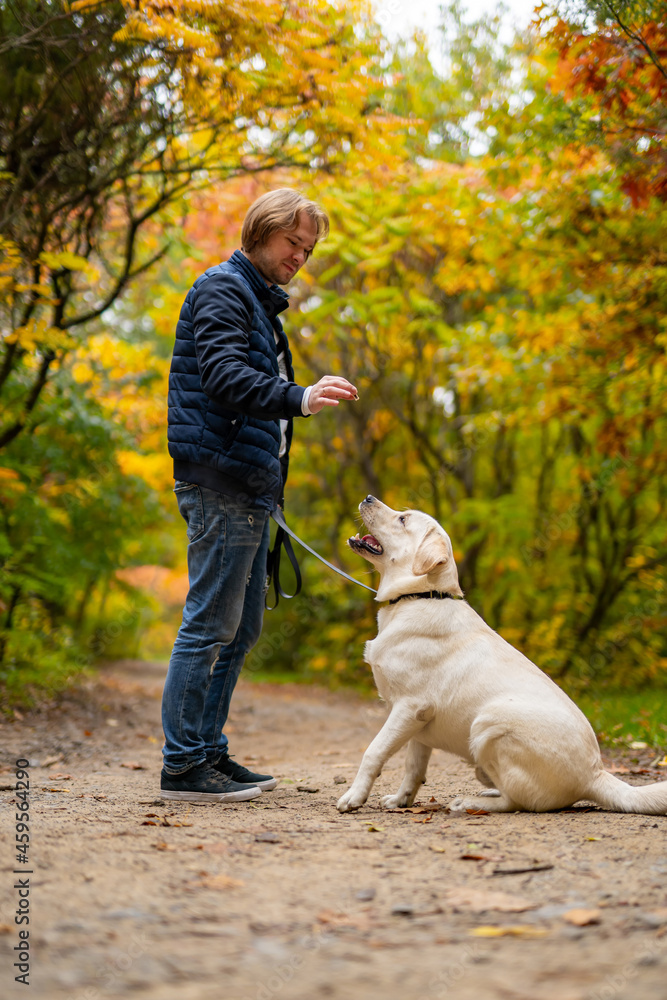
402, 519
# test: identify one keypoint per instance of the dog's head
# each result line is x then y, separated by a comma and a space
409, 549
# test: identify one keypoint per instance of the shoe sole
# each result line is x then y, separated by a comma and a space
266, 786
213, 798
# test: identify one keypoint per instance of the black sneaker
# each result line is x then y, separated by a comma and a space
204, 784
242, 776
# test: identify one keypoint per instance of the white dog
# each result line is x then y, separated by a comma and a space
453, 683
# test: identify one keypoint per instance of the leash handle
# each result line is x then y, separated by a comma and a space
273, 565
273, 568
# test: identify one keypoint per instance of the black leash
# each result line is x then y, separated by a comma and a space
282, 540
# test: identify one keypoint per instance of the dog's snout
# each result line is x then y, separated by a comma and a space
369, 499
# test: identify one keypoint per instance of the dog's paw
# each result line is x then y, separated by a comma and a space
461, 804
350, 801
396, 801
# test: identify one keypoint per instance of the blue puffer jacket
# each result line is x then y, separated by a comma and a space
226, 397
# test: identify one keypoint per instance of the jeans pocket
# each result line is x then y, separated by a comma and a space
191, 507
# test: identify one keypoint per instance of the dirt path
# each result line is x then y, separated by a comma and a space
285, 898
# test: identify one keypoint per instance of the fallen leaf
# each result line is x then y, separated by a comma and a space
6, 928
437, 848
218, 882
162, 821
581, 917
61, 777
375, 829
593, 838
662, 763
481, 857
162, 846
521, 930
426, 819
477, 812
480, 900
336, 918
56, 789
87, 732
133, 765
307, 788
267, 838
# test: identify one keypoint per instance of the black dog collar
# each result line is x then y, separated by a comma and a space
437, 594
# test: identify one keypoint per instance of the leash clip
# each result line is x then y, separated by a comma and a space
273, 561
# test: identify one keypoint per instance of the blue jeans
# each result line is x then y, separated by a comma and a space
222, 620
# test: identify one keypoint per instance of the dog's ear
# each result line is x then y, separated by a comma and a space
433, 551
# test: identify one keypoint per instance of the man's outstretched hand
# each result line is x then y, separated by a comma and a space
329, 391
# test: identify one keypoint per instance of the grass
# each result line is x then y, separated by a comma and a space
621, 717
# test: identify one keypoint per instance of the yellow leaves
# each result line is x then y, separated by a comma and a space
155, 469
516, 930
70, 262
39, 334
11, 486
81, 372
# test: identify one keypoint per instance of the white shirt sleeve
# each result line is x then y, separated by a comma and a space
305, 408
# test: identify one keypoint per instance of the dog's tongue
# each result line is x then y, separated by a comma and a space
370, 539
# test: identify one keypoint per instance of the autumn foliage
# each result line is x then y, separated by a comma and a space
494, 283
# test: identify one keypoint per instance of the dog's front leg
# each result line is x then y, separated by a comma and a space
416, 762
404, 722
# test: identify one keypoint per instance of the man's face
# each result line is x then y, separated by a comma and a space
285, 252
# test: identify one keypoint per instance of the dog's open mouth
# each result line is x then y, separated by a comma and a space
366, 544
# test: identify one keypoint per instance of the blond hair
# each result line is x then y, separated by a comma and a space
279, 209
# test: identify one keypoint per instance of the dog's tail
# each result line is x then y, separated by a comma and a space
614, 794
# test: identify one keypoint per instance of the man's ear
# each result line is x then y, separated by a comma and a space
433, 551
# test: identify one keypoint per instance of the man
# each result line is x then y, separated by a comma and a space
232, 399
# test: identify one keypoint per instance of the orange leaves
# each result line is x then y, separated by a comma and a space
619, 69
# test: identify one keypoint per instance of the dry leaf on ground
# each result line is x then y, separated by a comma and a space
581, 917
336, 918
133, 765
520, 930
